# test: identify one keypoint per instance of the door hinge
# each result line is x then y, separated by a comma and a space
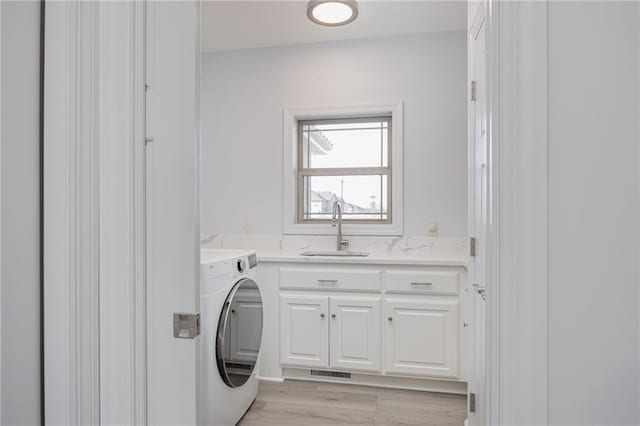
186, 326
472, 402
472, 246
474, 87
482, 291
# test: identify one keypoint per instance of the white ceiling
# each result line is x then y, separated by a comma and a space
229, 25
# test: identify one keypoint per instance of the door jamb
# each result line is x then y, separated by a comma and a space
517, 258
95, 345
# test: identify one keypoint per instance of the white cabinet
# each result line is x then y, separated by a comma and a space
391, 322
421, 337
304, 331
355, 333
336, 332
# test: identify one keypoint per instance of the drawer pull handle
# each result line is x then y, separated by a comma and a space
417, 283
327, 281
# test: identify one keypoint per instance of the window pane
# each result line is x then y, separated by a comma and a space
342, 144
385, 195
345, 124
362, 197
385, 149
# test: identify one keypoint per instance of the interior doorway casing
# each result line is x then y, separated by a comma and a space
517, 248
80, 37
95, 359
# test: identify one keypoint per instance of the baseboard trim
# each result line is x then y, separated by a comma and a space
430, 385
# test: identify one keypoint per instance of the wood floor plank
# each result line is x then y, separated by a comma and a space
290, 384
296, 402
390, 393
328, 400
442, 412
308, 415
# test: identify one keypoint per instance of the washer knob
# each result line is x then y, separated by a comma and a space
241, 265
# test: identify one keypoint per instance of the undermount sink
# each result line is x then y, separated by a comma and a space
343, 253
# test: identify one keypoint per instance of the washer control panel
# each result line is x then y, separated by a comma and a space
253, 261
242, 264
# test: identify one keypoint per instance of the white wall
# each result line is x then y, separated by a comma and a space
20, 218
593, 212
244, 93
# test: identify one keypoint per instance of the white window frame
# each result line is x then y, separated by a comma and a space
291, 116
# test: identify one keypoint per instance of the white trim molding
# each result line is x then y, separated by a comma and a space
94, 270
71, 259
290, 119
517, 280
122, 236
1, 102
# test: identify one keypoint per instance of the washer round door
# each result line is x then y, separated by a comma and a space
239, 333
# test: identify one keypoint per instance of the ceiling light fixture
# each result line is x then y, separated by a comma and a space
332, 13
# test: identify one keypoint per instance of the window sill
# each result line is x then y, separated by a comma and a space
347, 229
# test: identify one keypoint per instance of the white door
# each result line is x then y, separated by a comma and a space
355, 333
173, 255
304, 325
478, 215
246, 312
421, 337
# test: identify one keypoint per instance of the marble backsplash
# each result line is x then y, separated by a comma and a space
374, 245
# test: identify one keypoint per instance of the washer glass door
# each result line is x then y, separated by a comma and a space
239, 333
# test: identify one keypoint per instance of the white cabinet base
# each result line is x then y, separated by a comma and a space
427, 337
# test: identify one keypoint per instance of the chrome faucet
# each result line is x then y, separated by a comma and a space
337, 219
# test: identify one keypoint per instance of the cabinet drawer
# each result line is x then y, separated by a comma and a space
330, 279
422, 282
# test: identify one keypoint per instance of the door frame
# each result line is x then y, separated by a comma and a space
80, 60
517, 240
1, 214
476, 23
94, 306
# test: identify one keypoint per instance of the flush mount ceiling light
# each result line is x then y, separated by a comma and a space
332, 13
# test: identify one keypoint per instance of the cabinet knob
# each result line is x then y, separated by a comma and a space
390, 318
333, 315
321, 315
233, 311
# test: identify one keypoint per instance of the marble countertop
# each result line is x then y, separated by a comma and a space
443, 259
418, 251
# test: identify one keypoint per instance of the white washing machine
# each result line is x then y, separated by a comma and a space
231, 334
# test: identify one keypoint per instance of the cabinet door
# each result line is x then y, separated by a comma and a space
355, 333
246, 327
421, 337
304, 331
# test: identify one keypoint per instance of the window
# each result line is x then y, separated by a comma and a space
351, 154
345, 160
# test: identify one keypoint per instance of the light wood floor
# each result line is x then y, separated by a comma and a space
297, 402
